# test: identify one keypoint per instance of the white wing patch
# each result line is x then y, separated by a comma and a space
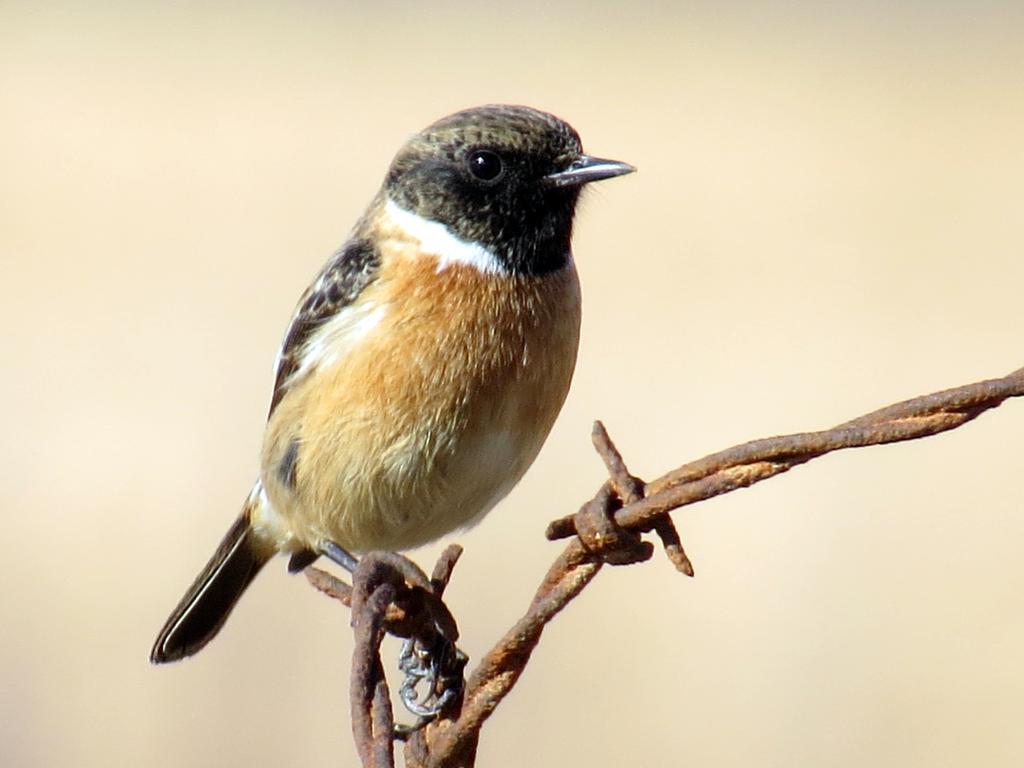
338, 336
436, 239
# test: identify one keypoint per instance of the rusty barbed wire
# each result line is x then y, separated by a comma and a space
391, 594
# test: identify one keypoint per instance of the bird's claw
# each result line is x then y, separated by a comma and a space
440, 666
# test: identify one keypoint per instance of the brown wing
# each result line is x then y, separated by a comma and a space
342, 279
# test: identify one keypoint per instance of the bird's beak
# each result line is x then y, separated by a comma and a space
585, 169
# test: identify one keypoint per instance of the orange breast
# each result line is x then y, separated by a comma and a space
426, 422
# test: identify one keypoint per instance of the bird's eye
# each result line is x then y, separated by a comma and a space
484, 164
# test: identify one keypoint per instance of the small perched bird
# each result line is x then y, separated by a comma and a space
425, 365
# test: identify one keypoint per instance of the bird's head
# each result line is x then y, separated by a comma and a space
506, 178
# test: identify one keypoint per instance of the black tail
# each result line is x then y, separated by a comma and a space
205, 607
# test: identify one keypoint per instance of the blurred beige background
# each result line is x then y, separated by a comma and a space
827, 218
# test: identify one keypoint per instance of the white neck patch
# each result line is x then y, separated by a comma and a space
436, 239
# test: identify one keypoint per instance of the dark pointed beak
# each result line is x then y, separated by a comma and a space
585, 169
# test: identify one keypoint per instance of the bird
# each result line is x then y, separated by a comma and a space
425, 364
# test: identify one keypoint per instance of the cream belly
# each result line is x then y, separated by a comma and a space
430, 417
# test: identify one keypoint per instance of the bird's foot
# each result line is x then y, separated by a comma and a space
339, 555
439, 666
